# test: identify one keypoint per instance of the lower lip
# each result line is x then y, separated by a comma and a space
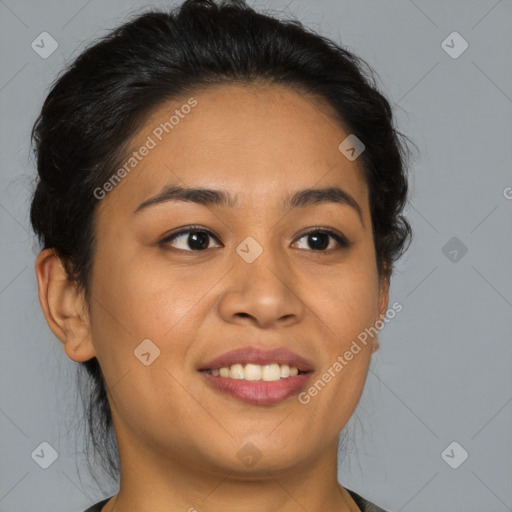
258, 392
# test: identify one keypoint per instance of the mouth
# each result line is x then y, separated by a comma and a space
256, 372
256, 376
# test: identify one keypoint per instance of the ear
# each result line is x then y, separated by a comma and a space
63, 306
383, 303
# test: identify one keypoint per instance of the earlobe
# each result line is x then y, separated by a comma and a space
63, 306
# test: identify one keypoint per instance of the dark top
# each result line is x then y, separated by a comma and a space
363, 504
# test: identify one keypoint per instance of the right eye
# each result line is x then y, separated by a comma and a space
195, 237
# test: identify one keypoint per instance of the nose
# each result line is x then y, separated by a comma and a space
263, 293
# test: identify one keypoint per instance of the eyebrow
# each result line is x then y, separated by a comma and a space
212, 197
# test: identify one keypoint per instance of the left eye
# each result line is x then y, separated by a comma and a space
197, 239
319, 239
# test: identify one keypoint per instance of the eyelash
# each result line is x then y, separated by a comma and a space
341, 239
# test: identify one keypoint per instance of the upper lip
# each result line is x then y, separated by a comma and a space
259, 356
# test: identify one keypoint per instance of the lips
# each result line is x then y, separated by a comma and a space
297, 372
253, 355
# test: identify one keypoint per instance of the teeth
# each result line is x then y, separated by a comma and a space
236, 372
271, 372
254, 372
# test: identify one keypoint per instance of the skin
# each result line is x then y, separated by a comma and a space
178, 438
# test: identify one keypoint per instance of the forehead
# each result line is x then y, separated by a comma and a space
257, 141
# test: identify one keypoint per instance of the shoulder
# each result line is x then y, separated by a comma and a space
364, 504
98, 506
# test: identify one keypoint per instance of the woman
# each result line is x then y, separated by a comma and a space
219, 204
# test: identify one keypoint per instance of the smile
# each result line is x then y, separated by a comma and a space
257, 376
256, 372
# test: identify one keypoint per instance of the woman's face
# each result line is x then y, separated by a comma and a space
249, 277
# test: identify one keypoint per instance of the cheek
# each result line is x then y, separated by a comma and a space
348, 300
347, 308
132, 304
133, 299
138, 295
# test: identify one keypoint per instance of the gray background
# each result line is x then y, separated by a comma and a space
442, 373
